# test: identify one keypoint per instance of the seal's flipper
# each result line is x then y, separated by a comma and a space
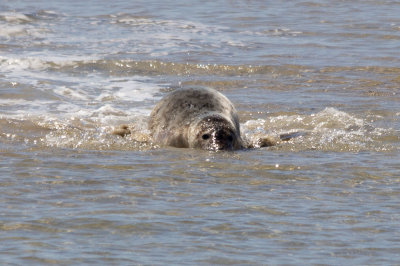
122, 131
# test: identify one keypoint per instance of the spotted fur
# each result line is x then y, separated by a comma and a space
184, 117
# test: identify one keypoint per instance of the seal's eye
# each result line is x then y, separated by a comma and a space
206, 136
230, 138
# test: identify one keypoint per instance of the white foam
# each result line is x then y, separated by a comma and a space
8, 31
14, 17
328, 129
19, 25
72, 94
8, 64
93, 96
133, 90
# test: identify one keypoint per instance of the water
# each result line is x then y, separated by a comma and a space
74, 194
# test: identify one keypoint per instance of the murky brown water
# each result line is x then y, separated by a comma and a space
72, 193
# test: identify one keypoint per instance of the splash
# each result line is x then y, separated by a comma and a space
328, 130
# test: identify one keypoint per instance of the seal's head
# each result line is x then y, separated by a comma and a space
215, 132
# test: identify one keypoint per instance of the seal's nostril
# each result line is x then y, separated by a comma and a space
206, 136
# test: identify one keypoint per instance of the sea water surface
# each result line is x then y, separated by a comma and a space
74, 194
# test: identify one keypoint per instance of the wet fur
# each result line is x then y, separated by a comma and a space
179, 117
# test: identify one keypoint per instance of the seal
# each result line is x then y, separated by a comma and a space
199, 117
196, 117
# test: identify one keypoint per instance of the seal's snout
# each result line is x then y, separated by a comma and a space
217, 140
223, 140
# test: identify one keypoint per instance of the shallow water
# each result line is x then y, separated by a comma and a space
73, 193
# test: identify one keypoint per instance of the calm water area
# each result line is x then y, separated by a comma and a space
72, 193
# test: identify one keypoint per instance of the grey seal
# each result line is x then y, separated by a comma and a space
196, 117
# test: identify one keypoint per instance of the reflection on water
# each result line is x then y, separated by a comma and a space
73, 193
